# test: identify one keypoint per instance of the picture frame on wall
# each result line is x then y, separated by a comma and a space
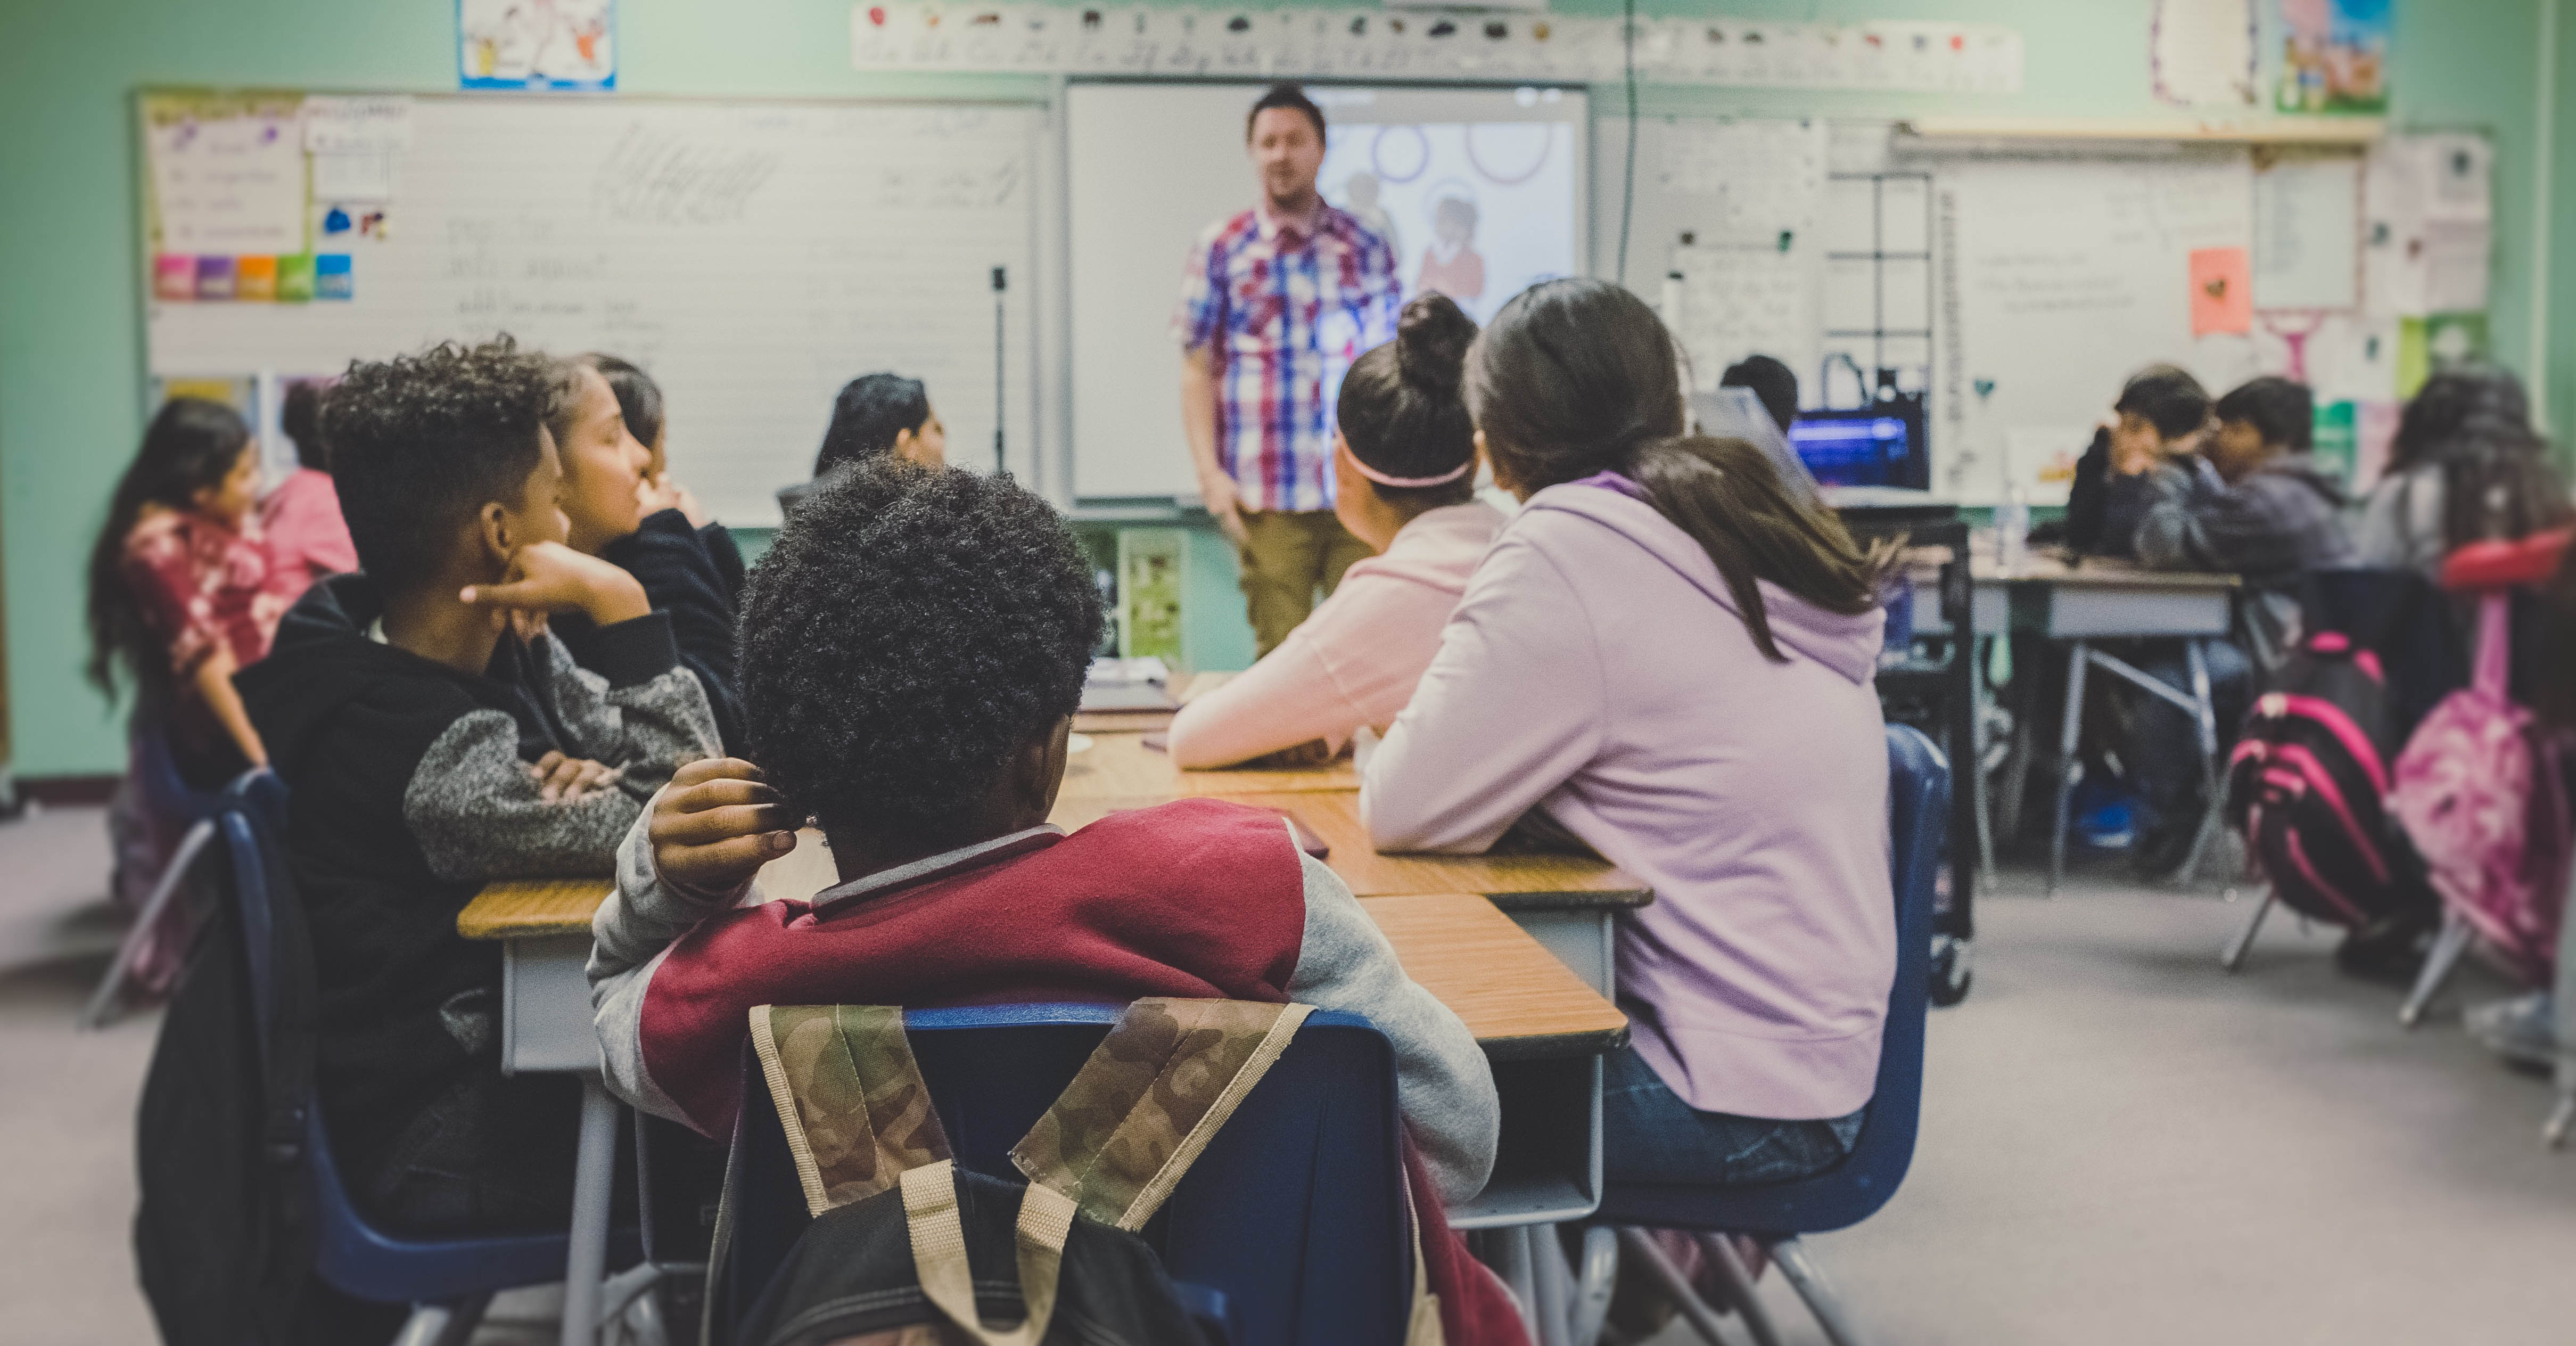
565, 46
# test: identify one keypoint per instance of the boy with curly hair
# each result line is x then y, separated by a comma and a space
433, 737
913, 650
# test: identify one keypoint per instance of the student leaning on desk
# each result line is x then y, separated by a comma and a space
913, 652
431, 737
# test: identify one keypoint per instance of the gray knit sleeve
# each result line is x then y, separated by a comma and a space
648, 728
1443, 1085
473, 807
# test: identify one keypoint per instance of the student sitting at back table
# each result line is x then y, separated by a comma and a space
415, 776
913, 649
306, 537
2255, 502
2465, 465
622, 515
1774, 383
639, 401
2162, 412
876, 415
1405, 464
1670, 656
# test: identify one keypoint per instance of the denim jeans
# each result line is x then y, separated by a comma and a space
1649, 1135
492, 1155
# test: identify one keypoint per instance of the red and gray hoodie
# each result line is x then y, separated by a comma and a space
1196, 898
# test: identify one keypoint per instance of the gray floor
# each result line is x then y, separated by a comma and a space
2120, 1143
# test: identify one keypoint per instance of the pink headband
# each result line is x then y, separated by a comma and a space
1443, 479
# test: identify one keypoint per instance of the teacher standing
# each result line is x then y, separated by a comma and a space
1275, 304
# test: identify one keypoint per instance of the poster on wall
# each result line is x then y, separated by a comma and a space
563, 45
2333, 56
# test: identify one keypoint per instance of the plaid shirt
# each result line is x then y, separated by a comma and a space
1285, 311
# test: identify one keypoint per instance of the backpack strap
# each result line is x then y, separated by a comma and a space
1153, 1094
849, 1096
939, 1252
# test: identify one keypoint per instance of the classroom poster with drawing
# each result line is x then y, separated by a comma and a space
566, 45
1477, 211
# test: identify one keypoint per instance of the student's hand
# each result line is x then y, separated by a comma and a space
716, 824
661, 492
565, 779
551, 577
1225, 505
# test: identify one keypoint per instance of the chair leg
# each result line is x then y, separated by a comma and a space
2205, 723
1731, 1272
1511, 1261
2069, 734
1593, 1285
1810, 1282
2453, 942
443, 1324
2234, 957
100, 1010
1694, 1310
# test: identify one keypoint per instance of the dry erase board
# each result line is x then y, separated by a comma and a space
752, 255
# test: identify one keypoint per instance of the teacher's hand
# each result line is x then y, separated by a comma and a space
1225, 506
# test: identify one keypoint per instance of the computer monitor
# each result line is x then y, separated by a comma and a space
1880, 445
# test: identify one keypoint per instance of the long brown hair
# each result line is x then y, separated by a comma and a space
191, 444
1579, 377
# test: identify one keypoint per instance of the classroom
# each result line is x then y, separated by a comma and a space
1503, 672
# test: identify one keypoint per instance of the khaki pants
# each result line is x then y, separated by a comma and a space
1286, 557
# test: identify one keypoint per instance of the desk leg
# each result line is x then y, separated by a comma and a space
2079, 657
2205, 715
1978, 695
594, 1170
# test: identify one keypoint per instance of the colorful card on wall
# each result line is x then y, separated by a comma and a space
174, 278
568, 45
255, 279
295, 279
332, 277
2333, 56
2222, 291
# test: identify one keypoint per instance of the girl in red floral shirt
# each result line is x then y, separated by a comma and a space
178, 590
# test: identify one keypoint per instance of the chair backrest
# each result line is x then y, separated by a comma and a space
1918, 801
157, 781
350, 1255
1294, 1215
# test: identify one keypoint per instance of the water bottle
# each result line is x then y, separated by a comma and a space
2012, 530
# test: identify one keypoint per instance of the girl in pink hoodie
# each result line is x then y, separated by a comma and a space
1669, 655
1405, 463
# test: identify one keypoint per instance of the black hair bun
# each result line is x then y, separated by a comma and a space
1431, 341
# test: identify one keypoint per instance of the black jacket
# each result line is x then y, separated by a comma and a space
408, 789
695, 575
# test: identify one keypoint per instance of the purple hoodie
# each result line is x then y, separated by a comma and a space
1596, 667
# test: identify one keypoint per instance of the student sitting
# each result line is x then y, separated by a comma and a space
1670, 656
178, 599
2255, 502
913, 650
1773, 383
639, 400
622, 514
1404, 461
2162, 413
415, 777
307, 539
876, 415
2465, 465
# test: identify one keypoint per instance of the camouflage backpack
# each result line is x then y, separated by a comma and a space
908, 1249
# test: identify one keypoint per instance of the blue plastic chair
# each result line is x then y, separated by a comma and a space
1918, 795
448, 1281
1289, 1231
168, 797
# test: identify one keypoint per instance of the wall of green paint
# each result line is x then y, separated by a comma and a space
70, 390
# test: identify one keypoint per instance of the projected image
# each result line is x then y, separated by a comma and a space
1478, 211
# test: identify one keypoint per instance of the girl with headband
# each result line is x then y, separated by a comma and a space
1404, 483
1671, 656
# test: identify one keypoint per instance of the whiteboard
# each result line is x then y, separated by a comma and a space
753, 256
1149, 166
2057, 278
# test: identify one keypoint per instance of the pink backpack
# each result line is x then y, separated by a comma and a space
2479, 793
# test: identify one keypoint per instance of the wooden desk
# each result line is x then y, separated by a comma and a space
1120, 766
